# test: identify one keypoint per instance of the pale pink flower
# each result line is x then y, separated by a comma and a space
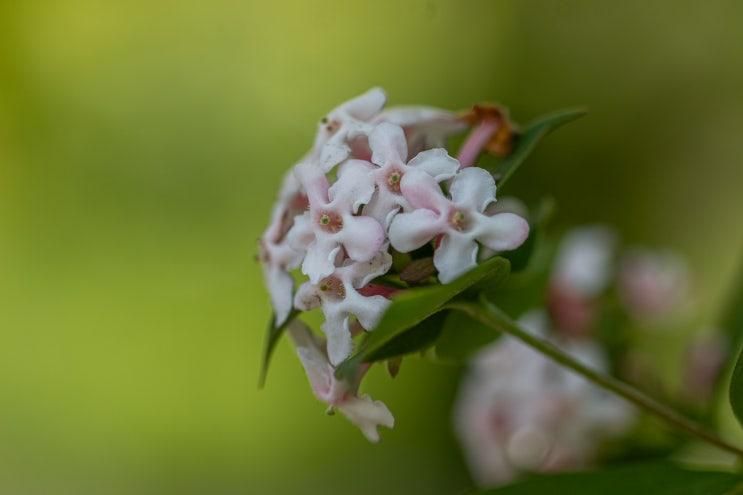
653, 285
339, 299
582, 271
519, 412
389, 156
331, 225
338, 131
361, 410
425, 127
276, 256
459, 221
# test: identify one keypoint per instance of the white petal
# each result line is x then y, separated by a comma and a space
313, 180
365, 106
473, 188
333, 153
368, 310
422, 191
280, 286
358, 274
307, 297
383, 204
354, 187
501, 232
585, 258
368, 415
387, 142
319, 261
362, 237
456, 255
337, 332
409, 231
301, 235
437, 163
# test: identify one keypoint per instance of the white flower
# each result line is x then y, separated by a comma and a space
517, 411
347, 122
339, 299
425, 127
276, 256
653, 285
331, 224
389, 153
584, 260
361, 410
459, 220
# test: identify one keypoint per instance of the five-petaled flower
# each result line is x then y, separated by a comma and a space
459, 221
331, 225
338, 296
389, 155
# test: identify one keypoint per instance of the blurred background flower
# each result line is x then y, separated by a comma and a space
141, 144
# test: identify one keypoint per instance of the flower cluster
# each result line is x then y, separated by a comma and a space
519, 412
376, 182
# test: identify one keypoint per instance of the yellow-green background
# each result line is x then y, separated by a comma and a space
141, 143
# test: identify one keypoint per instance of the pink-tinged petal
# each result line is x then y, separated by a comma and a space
368, 310
367, 415
319, 261
501, 232
365, 106
387, 142
362, 237
307, 297
437, 163
409, 231
473, 188
301, 235
334, 152
360, 273
312, 355
456, 255
422, 191
280, 286
425, 127
313, 180
354, 187
338, 334
383, 205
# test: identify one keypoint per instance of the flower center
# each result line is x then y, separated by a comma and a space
393, 181
330, 221
332, 287
458, 220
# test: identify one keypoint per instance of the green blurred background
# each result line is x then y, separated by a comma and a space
141, 144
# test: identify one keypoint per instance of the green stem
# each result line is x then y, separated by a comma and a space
491, 316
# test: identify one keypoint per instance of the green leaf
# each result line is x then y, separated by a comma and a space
736, 389
416, 339
273, 334
413, 306
528, 139
640, 479
732, 325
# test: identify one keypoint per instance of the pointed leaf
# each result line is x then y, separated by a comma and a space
736, 389
273, 334
528, 139
413, 306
